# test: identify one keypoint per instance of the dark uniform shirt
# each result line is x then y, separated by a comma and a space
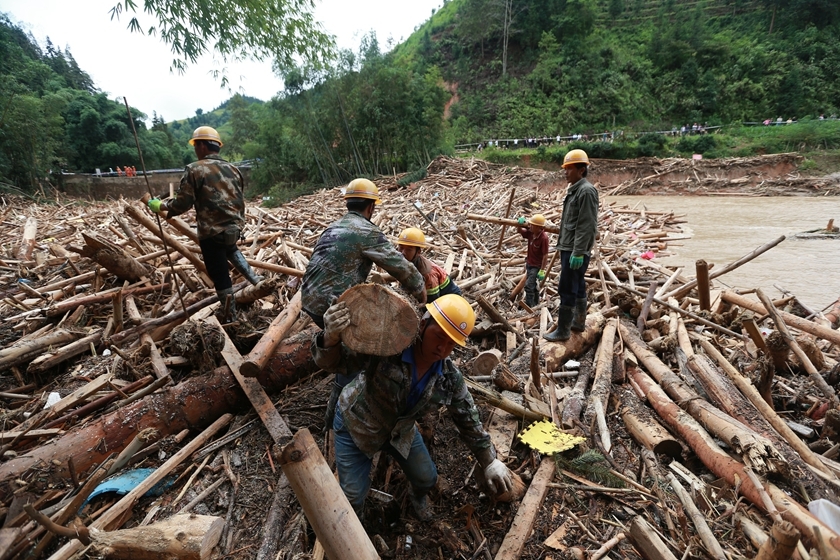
579, 224
376, 405
343, 257
215, 187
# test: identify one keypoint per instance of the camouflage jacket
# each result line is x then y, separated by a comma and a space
374, 405
579, 224
343, 257
215, 187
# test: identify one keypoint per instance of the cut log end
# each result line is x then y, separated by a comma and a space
382, 322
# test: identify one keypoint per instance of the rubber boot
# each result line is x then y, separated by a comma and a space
237, 259
579, 322
563, 331
227, 305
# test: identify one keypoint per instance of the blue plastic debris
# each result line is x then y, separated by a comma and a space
124, 483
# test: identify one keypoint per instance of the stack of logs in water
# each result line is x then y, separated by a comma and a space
704, 436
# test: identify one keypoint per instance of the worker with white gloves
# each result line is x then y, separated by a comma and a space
378, 409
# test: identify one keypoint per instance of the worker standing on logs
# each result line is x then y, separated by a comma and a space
378, 410
343, 257
215, 188
537, 256
411, 243
578, 228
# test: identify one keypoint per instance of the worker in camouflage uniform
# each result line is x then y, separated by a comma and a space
215, 188
343, 257
377, 411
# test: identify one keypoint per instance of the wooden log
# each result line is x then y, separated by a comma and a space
781, 544
22, 352
27, 239
756, 451
702, 269
184, 536
275, 521
507, 214
602, 382
644, 428
640, 320
382, 322
111, 257
191, 404
647, 541
250, 294
258, 358
484, 363
558, 353
505, 404
47, 361
790, 320
515, 539
721, 464
507, 222
141, 218
708, 539
816, 378
279, 269
101, 297
573, 405
683, 290
497, 317
766, 410
116, 512
326, 507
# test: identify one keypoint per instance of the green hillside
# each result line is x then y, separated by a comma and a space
594, 65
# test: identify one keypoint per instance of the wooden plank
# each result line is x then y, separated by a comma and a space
510, 342
462, 264
6, 437
81, 394
277, 428
526, 515
450, 260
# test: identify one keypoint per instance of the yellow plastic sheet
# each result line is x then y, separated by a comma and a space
547, 438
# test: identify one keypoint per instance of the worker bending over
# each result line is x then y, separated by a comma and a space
578, 228
537, 256
411, 243
343, 257
215, 188
377, 411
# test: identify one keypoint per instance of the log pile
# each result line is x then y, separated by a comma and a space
700, 440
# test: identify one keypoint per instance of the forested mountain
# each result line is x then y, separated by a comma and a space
52, 117
546, 67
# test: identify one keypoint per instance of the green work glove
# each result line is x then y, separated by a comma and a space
541, 275
154, 205
521, 221
575, 262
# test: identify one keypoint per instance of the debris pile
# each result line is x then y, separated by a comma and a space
685, 421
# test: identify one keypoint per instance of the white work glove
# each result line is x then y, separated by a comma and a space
497, 476
336, 319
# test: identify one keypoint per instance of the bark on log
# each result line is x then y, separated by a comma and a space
647, 541
791, 320
781, 544
484, 363
185, 537
756, 451
250, 294
326, 507
558, 353
275, 521
111, 257
101, 297
193, 403
46, 361
260, 355
573, 405
526, 515
507, 222
25, 351
702, 269
603, 371
721, 464
644, 428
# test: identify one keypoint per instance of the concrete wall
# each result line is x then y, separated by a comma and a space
102, 188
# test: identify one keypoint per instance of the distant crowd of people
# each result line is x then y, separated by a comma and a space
130, 171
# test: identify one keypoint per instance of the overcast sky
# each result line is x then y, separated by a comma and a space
128, 64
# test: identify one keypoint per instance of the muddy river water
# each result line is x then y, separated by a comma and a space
724, 229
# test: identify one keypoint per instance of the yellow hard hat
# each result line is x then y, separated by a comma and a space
537, 220
412, 237
362, 188
454, 315
206, 133
575, 156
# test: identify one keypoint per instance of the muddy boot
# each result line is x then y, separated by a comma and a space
422, 507
563, 331
227, 306
237, 259
579, 322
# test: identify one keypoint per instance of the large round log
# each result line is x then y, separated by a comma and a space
382, 323
192, 404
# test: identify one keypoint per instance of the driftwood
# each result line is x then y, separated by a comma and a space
115, 259
645, 429
558, 353
526, 515
647, 541
185, 537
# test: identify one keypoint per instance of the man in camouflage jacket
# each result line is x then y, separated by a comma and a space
215, 188
378, 409
343, 257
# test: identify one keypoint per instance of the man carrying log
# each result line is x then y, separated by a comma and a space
343, 257
215, 188
411, 243
378, 410
578, 228
537, 256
